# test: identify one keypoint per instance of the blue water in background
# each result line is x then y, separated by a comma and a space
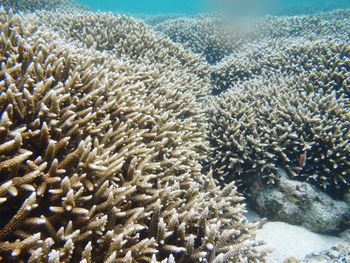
235, 7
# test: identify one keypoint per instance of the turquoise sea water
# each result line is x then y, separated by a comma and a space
191, 7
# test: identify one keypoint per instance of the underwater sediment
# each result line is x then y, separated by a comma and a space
127, 142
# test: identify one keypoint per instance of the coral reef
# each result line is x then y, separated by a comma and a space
215, 38
207, 35
127, 38
282, 97
314, 46
154, 20
33, 5
111, 141
261, 125
321, 64
101, 155
328, 25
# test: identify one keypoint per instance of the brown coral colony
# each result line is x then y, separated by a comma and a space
126, 142
99, 163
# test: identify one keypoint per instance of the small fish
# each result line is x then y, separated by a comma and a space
302, 159
303, 155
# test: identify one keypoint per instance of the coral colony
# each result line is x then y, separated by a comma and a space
128, 142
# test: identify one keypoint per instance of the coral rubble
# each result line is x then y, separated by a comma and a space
101, 155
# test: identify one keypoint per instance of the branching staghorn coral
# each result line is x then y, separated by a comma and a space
207, 35
100, 160
153, 20
283, 92
314, 46
325, 64
128, 38
33, 5
261, 125
333, 24
267, 45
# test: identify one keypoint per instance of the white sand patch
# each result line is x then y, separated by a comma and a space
293, 241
